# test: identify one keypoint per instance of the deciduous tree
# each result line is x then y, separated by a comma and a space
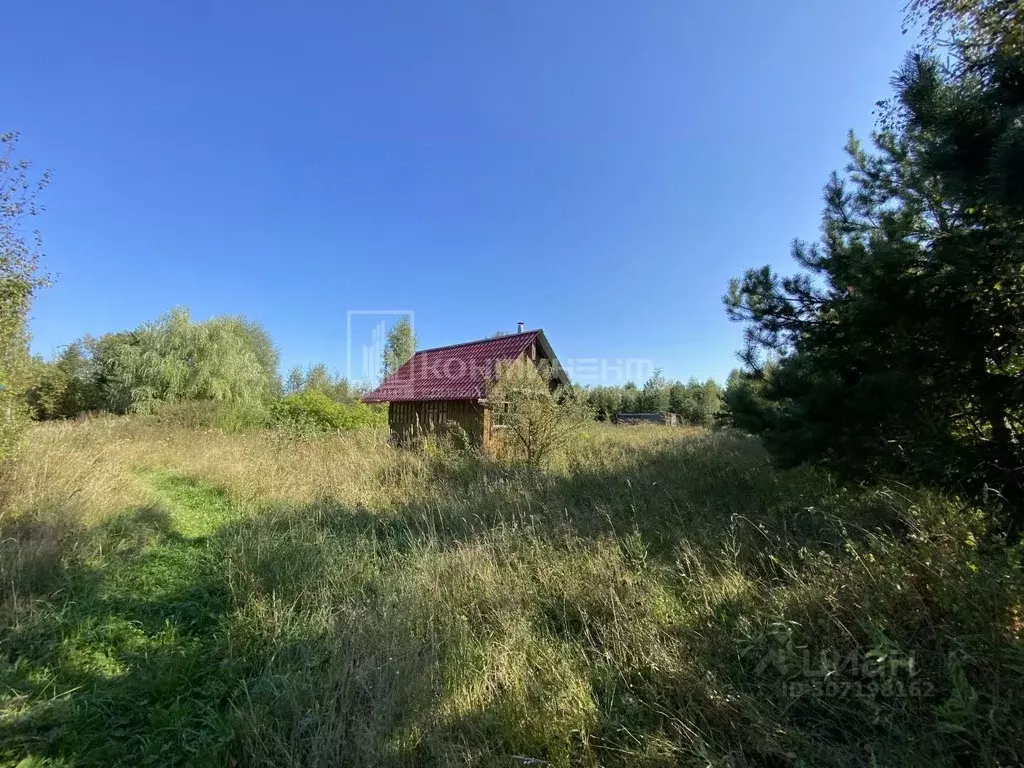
175, 359
537, 417
20, 279
399, 347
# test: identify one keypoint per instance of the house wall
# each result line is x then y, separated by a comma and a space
411, 419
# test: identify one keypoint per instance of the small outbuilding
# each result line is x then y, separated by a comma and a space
658, 417
439, 386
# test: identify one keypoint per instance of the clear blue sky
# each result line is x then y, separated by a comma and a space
600, 169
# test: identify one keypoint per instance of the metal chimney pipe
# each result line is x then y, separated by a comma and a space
522, 325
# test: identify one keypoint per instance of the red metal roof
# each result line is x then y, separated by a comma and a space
458, 372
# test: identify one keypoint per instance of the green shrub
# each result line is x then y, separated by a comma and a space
315, 410
696, 402
211, 414
536, 419
240, 416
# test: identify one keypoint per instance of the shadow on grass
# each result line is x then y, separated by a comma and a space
123, 662
785, 606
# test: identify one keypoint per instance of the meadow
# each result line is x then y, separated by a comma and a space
655, 597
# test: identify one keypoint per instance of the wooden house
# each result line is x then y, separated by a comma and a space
436, 387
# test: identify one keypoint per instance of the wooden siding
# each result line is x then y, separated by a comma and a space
412, 419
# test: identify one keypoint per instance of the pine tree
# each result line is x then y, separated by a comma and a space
900, 344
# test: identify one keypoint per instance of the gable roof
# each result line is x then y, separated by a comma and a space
460, 371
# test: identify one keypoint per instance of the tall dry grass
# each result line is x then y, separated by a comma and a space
657, 597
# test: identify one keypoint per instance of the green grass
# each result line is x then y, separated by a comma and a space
656, 598
130, 665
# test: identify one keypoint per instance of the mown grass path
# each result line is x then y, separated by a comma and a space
128, 664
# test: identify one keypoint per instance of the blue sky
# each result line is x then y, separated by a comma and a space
599, 169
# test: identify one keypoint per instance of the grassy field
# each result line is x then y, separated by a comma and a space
658, 597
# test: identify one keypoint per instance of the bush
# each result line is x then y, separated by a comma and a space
315, 410
746, 406
211, 414
536, 417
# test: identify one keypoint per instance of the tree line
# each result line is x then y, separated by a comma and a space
218, 372
171, 359
232, 362
699, 403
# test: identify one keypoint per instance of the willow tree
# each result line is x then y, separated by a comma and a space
174, 359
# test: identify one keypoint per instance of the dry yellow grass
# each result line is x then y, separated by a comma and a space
89, 469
